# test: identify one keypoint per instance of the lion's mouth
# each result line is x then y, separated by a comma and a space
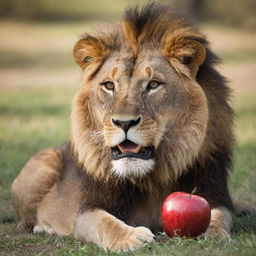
130, 149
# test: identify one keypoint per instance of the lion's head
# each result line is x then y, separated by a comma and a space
141, 110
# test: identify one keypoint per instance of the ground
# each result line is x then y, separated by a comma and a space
37, 80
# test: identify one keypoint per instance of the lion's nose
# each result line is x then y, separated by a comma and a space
126, 125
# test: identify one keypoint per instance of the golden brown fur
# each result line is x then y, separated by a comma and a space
78, 188
48, 164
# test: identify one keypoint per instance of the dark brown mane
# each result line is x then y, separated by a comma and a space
151, 24
142, 21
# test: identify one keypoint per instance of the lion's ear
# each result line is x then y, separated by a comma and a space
90, 51
185, 55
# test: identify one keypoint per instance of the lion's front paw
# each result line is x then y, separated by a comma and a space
43, 229
135, 239
217, 233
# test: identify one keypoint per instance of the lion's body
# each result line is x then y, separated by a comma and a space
57, 210
185, 120
51, 200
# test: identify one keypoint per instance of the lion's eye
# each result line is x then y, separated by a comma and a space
153, 85
110, 86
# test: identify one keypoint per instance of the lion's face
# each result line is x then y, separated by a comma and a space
137, 104
146, 106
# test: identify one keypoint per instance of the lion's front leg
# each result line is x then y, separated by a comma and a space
105, 230
221, 223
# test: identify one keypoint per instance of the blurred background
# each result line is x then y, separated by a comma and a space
38, 76
232, 12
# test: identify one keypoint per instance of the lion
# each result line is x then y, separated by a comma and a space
152, 116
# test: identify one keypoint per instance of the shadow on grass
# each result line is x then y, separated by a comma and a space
6, 219
245, 224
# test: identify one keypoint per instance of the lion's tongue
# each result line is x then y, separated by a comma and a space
128, 146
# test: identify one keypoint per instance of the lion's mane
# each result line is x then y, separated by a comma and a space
193, 157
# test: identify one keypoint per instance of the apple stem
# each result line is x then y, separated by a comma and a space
193, 191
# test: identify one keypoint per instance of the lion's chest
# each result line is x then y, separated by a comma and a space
147, 213
125, 201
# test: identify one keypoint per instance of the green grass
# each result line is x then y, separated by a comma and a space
243, 242
34, 113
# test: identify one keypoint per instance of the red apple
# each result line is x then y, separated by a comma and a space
185, 214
